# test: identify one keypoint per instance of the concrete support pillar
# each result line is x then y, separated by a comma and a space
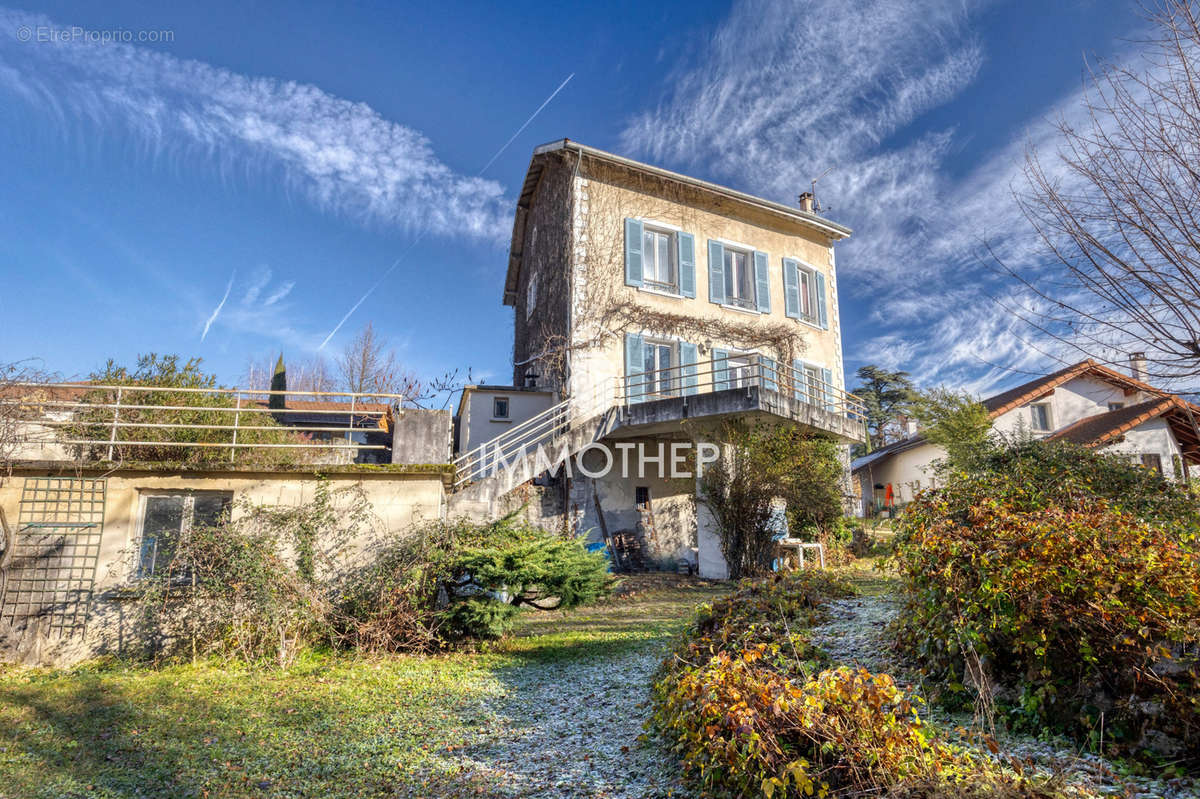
712, 563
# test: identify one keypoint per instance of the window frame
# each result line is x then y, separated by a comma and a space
671, 288
187, 519
1115, 406
531, 295
507, 415
1033, 417
749, 304
650, 386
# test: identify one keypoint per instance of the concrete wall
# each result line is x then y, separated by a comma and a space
421, 436
397, 499
476, 423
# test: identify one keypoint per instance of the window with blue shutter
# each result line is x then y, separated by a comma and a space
822, 319
635, 380
791, 288
770, 380
716, 272
633, 252
689, 360
720, 360
827, 378
798, 380
687, 264
762, 282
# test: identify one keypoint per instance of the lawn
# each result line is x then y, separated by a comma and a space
330, 725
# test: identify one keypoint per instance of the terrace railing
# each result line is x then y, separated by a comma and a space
719, 374
142, 422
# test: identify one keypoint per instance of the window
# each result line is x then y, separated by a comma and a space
812, 389
1116, 406
808, 302
1153, 461
500, 407
167, 517
739, 371
641, 497
659, 376
531, 295
1041, 417
658, 261
739, 279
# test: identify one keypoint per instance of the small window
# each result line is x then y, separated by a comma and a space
168, 517
739, 279
1040, 414
641, 497
1116, 406
500, 407
1153, 461
658, 261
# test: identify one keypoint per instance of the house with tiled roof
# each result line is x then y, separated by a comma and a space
1087, 403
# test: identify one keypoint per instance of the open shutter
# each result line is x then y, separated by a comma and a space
798, 381
635, 366
687, 264
827, 388
633, 252
716, 272
688, 360
791, 288
770, 379
720, 369
762, 282
822, 319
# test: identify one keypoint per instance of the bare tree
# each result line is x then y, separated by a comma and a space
1118, 208
367, 366
306, 374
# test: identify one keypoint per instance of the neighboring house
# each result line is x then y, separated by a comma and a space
655, 306
485, 412
1086, 403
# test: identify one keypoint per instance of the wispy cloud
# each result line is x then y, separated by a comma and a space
781, 91
217, 311
342, 156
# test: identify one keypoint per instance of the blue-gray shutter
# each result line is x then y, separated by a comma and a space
687, 264
798, 382
688, 359
720, 369
827, 377
791, 288
822, 319
762, 281
633, 252
769, 378
716, 272
635, 367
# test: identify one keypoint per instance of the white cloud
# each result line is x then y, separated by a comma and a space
342, 155
781, 91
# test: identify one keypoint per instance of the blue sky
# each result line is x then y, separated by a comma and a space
281, 157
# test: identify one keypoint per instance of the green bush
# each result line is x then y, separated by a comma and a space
457, 580
1070, 582
742, 704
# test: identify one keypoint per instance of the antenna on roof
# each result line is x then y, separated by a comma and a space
812, 195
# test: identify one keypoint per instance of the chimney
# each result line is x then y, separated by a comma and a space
806, 202
1137, 366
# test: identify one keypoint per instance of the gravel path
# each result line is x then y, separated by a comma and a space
570, 729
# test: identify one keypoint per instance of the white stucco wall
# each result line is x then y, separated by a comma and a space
477, 425
1152, 437
1074, 400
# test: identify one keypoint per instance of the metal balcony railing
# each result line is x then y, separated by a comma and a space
142, 422
735, 371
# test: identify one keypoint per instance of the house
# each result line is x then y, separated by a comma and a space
1086, 403
485, 412
655, 306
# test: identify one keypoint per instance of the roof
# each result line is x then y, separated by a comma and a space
1106, 428
534, 174
1035, 389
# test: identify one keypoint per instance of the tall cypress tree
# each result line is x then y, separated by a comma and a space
278, 383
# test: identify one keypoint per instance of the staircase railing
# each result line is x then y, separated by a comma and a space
512, 445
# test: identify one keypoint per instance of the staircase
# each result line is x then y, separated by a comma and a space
485, 474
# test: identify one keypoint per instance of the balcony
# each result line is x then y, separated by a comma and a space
748, 386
